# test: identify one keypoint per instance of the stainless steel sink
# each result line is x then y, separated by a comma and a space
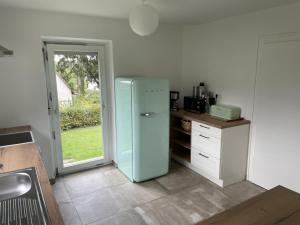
16, 138
14, 185
21, 199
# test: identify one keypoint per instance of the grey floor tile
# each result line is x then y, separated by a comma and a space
179, 178
163, 211
96, 206
115, 177
105, 196
69, 213
80, 184
133, 194
242, 191
204, 199
188, 206
128, 217
60, 191
211, 193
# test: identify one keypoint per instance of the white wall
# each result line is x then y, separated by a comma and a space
224, 53
23, 97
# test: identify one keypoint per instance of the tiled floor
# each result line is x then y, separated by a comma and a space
104, 196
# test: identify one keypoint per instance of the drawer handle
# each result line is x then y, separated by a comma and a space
204, 127
203, 155
203, 136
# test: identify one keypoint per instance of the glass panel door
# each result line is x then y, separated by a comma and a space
77, 85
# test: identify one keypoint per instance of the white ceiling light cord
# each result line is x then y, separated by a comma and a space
143, 19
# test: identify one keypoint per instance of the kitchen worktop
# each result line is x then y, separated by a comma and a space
24, 156
209, 120
11, 130
279, 206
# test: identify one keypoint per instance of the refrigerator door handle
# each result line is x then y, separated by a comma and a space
147, 114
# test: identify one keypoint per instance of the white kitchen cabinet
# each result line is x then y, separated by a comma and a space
218, 154
216, 149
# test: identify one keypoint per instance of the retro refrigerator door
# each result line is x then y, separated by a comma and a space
123, 90
150, 128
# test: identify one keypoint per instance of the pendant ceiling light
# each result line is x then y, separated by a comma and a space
143, 19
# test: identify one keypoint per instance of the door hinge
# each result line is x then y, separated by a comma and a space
50, 96
53, 135
49, 101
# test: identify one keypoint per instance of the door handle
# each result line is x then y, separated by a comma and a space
147, 114
203, 155
203, 136
53, 109
204, 127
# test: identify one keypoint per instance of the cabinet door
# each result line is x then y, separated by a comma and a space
276, 132
206, 143
205, 162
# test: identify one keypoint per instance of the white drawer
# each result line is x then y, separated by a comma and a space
205, 162
207, 143
213, 131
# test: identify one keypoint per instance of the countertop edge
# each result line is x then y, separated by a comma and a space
18, 129
209, 120
27, 155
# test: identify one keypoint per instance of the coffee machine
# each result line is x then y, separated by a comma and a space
196, 103
174, 97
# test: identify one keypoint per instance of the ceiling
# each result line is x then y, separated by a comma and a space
171, 11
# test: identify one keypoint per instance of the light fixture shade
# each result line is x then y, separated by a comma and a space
143, 20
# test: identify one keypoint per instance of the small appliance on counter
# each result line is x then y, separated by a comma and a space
201, 91
196, 105
200, 101
225, 112
174, 97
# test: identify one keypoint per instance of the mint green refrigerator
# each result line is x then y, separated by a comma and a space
142, 127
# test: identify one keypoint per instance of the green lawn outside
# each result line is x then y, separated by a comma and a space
82, 143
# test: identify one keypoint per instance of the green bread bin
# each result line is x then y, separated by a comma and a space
225, 112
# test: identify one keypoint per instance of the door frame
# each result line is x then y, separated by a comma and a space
50, 44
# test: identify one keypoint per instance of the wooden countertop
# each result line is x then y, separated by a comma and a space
278, 206
209, 120
25, 156
14, 129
